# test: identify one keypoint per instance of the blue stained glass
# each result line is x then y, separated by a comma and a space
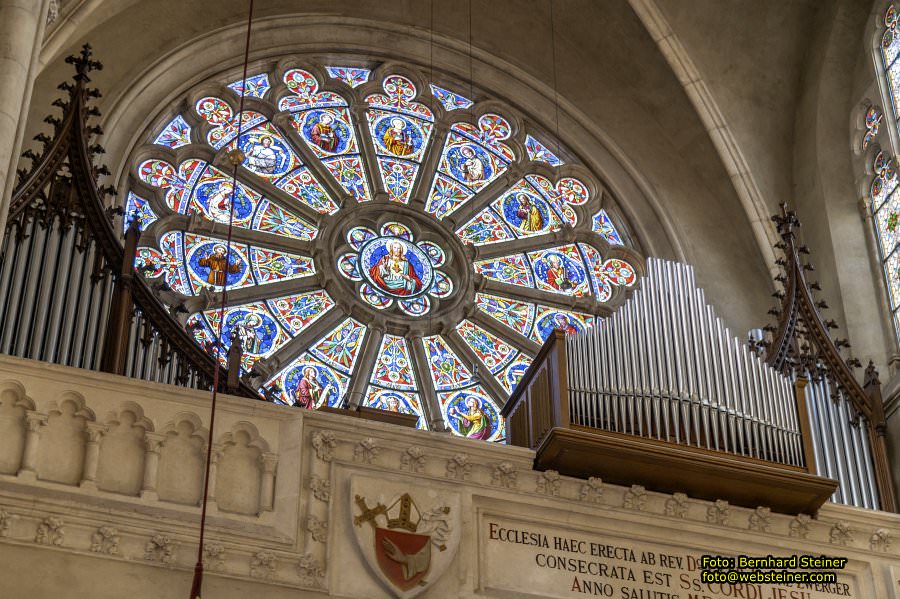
349, 75
341, 346
138, 208
254, 87
447, 370
174, 135
450, 100
603, 226
539, 152
308, 383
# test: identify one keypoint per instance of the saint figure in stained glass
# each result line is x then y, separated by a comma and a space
217, 263
474, 422
262, 158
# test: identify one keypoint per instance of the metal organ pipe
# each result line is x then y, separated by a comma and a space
665, 367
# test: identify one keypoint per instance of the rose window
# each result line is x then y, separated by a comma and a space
394, 244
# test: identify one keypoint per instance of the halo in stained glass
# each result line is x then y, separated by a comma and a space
394, 252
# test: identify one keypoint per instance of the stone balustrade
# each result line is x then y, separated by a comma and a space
101, 478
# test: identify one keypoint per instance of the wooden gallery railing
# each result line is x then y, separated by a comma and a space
69, 293
662, 395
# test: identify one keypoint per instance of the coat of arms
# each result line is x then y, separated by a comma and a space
407, 538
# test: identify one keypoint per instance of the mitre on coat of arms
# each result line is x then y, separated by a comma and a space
407, 537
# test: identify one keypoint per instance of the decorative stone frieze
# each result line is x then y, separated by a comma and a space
324, 443
505, 475
105, 540
676, 505
459, 467
310, 570
635, 498
761, 519
160, 549
840, 534
50, 531
548, 483
718, 513
799, 526
592, 490
320, 487
413, 460
880, 540
263, 564
366, 451
213, 557
317, 528
6, 520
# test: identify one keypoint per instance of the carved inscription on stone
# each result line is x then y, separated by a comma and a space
529, 559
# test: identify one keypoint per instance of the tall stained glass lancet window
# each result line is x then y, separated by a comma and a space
885, 200
395, 245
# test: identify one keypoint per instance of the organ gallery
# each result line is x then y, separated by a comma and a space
548, 298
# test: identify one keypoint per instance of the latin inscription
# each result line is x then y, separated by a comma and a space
546, 562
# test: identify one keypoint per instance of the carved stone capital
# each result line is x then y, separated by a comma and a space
269, 461
35, 420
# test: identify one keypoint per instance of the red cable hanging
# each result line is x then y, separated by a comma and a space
236, 157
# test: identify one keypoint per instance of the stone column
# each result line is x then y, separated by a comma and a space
267, 489
34, 421
152, 444
21, 32
95, 432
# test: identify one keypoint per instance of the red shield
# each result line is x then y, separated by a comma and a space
404, 557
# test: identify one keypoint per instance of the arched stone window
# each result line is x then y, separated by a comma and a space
885, 196
394, 244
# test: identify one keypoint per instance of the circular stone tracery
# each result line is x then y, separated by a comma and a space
459, 241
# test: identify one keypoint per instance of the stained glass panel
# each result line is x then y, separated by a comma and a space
517, 315
221, 116
511, 270
539, 152
560, 270
888, 220
603, 226
447, 370
393, 368
137, 208
550, 319
472, 157
295, 312
485, 228
514, 372
391, 400
309, 383
258, 331
471, 413
493, 352
340, 348
526, 212
450, 100
351, 76
400, 130
174, 135
254, 86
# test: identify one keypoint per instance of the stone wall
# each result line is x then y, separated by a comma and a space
100, 478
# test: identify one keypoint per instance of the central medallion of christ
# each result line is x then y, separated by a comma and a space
396, 267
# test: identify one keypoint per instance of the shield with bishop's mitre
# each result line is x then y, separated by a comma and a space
407, 535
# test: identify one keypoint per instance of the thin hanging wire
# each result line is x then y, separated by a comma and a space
236, 160
470, 50
555, 85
